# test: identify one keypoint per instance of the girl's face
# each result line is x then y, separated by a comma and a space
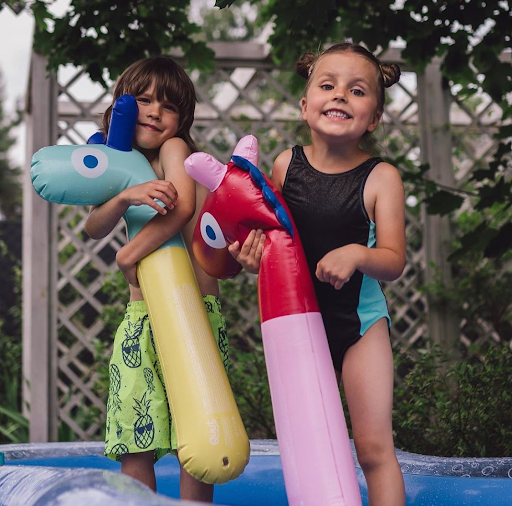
157, 121
341, 100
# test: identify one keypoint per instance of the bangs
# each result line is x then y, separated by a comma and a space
167, 87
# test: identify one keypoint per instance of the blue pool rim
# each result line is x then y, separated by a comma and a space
429, 480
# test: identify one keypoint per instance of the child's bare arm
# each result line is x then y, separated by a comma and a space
163, 226
385, 262
389, 218
280, 168
102, 219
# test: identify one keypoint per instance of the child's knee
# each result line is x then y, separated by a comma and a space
373, 451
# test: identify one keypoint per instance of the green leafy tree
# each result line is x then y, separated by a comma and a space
108, 35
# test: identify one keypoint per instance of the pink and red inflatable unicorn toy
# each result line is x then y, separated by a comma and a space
305, 397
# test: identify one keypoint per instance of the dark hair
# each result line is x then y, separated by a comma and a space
171, 83
387, 73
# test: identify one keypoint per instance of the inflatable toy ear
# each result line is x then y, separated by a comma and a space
305, 395
212, 443
97, 138
209, 243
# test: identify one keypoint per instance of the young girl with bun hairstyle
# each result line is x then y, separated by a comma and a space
349, 208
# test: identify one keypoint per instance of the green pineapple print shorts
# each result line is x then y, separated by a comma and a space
138, 416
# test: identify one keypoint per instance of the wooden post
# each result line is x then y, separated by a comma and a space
39, 229
436, 150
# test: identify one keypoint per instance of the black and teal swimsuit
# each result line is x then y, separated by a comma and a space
329, 212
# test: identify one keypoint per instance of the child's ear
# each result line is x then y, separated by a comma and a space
375, 122
303, 106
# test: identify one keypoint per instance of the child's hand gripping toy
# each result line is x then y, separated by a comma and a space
305, 396
212, 442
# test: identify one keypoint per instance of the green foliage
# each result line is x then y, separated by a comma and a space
480, 293
15, 5
429, 28
83, 416
224, 3
108, 34
248, 378
116, 290
13, 426
10, 185
247, 369
463, 411
237, 23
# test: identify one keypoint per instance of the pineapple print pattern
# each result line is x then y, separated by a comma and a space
151, 338
131, 345
143, 428
223, 346
114, 402
219, 327
119, 450
148, 376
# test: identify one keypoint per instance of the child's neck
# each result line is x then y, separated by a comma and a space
334, 158
151, 156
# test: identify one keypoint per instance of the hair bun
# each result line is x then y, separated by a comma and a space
390, 73
304, 65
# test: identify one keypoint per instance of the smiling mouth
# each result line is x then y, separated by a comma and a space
337, 114
150, 127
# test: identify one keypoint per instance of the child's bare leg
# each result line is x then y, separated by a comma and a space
368, 382
194, 490
141, 467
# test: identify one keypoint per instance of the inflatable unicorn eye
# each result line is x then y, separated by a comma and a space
211, 232
89, 162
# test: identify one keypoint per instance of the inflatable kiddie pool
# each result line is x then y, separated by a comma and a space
76, 474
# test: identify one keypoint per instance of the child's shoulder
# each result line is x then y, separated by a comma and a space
386, 170
174, 145
280, 167
171, 157
284, 158
384, 176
